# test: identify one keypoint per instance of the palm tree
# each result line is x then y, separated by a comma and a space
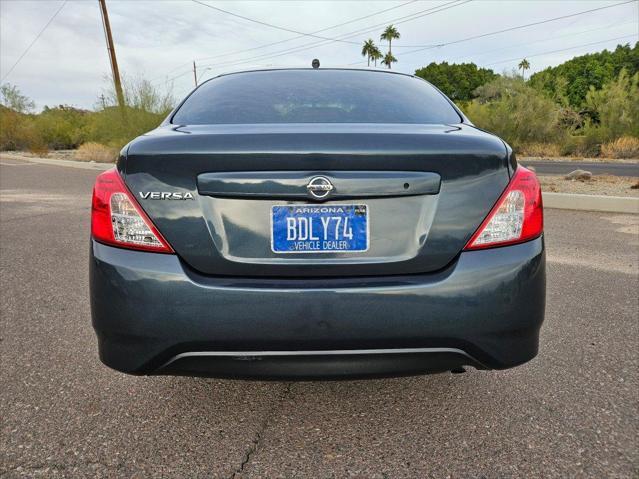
391, 33
367, 50
376, 54
388, 60
523, 66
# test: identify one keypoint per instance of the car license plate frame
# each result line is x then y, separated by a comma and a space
323, 228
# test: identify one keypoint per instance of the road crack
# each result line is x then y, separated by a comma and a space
258, 439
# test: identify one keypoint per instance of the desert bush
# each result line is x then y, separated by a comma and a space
10, 126
65, 127
614, 109
62, 127
114, 126
17, 131
38, 148
92, 151
624, 147
145, 110
141, 95
516, 112
540, 149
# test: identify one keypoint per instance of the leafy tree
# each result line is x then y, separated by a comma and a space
140, 94
615, 109
62, 127
367, 50
390, 33
146, 107
12, 98
523, 66
516, 112
571, 81
457, 81
388, 60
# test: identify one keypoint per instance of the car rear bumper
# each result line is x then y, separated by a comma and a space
155, 315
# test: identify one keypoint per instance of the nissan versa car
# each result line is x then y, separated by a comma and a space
307, 223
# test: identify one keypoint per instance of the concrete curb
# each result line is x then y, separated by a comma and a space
86, 165
611, 204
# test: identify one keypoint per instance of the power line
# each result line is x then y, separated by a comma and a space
401, 20
312, 33
307, 46
413, 17
379, 12
475, 37
34, 40
266, 24
561, 50
457, 41
472, 57
542, 41
301, 34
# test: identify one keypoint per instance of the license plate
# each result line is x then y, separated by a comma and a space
319, 228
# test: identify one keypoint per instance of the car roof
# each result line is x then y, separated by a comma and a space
294, 68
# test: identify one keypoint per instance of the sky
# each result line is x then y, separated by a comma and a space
159, 40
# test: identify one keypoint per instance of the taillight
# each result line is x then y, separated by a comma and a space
117, 218
516, 217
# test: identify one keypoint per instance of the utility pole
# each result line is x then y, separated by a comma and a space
194, 73
111, 49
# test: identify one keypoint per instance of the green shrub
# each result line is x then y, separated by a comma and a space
65, 127
517, 113
146, 109
572, 80
116, 127
17, 130
615, 108
457, 81
62, 127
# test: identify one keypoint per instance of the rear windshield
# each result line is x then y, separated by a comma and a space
315, 96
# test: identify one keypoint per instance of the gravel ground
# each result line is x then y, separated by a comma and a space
577, 159
598, 185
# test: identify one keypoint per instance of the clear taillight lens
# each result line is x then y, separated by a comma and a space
128, 225
516, 217
118, 220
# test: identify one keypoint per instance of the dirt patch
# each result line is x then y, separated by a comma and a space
576, 158
598, 185
52, 154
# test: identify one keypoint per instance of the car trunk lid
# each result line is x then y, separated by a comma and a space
424, 189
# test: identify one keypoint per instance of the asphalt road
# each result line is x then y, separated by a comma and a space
596, 168
571, 412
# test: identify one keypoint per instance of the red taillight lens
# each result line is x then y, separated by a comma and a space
517, 216
117, 218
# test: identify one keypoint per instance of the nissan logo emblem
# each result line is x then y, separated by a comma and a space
319, 187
